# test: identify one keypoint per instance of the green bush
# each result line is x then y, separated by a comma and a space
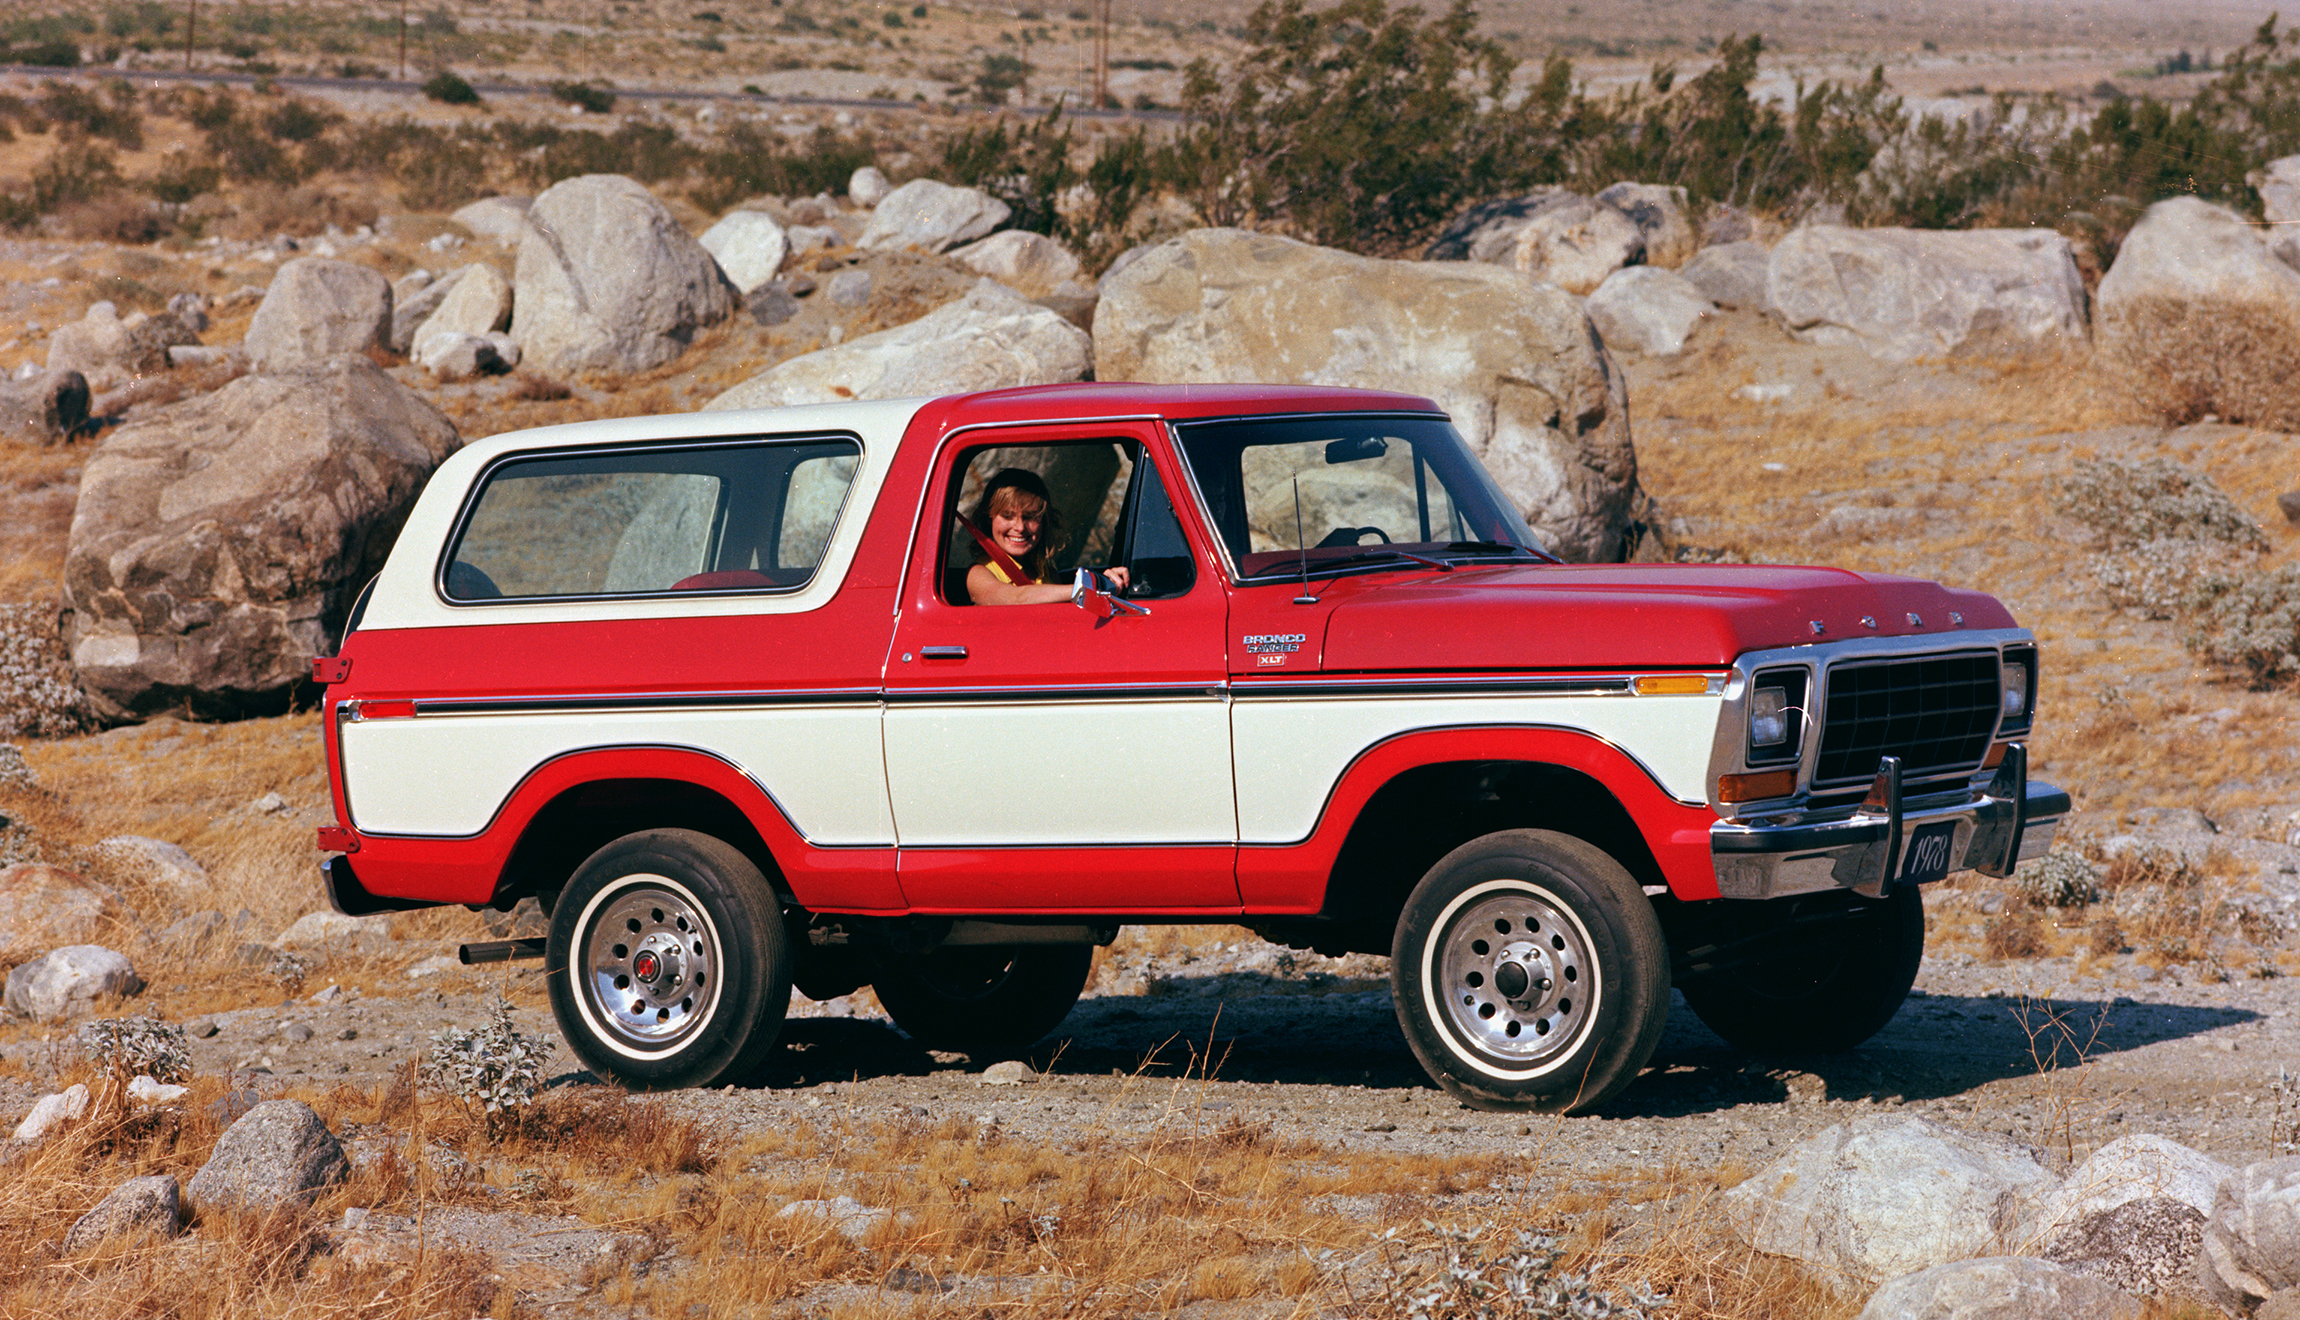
76, 112
748, 161
448, 88
591, 100
1028, 168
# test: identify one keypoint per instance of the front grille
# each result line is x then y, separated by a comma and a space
1935, 712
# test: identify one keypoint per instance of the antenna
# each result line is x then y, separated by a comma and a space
1304, 551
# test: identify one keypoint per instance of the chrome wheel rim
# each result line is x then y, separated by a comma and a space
650, 966
1515, 978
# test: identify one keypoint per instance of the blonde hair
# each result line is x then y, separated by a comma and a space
1006, 491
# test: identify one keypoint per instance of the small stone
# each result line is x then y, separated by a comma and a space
268, 803
327, 996
432, 966
149, 1091
348, 1033
2289, 503
140, 1205
848, 288
202, 1028
1008, 1072
851, 1218
300, 1032
52, 1110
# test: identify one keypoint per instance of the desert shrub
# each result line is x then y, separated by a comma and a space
2059, 879
181, 177
2180, 361
1434, 1272
39, 696
74, 172
448, 88
75, 112
492, 1069
1028, 168
2018, 933
2249, 622
2129, 504
591, 100
745, 160
122, 1048
116, 217
2151, 864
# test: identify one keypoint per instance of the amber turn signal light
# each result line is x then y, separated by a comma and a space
1672, 685
1756, 787
1996, 756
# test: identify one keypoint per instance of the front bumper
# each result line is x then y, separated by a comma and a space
1864, 848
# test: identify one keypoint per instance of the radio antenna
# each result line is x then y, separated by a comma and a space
1302, 550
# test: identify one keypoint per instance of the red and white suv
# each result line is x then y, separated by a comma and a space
711, 687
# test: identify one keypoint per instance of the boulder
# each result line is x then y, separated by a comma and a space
2135, 1168
932, 217
43, 408
1512, 360
1576, 245
110, 348
991, 339
607, 280
218, 542
414, 297
1032, 265
67, 981
51, 1111
499, 218
867, 187
1999, 1288
2251, 1244
1731, 274
1645, 309
317, 309
278, 1153
452, 355
333, 932
1910, 293
156, 863
139, 1207
2197, 317
1725, 223
750, 247
477, 303
42, 906
1884, 1196
1488, 231
2278, 183
1658, 211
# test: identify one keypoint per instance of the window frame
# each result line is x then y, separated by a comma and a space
480, 483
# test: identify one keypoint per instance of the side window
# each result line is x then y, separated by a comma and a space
1152, 546
1086, 483
747, 517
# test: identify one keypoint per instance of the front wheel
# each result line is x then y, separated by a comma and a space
983, 1001
1825, 976
1529, 973
667, 962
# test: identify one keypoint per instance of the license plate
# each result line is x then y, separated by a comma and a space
1926, 857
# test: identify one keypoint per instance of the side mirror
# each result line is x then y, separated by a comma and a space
1098, 595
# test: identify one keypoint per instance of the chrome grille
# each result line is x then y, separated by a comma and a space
1935, 712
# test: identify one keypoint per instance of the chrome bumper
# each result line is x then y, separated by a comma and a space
2011, 821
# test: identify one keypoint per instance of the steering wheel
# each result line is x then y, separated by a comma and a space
1342, 536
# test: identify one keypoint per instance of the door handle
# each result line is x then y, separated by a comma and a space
942, 652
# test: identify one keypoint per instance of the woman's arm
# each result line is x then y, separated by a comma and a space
984, 588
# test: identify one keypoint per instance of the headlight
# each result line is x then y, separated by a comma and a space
1768, 717
2012, 697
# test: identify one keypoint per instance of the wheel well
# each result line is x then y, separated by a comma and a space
1427, 812
587, 817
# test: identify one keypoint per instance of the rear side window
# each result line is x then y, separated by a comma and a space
718, 518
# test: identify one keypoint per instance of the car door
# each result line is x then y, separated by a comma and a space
1049, 757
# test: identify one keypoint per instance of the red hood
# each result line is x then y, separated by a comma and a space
1589, 616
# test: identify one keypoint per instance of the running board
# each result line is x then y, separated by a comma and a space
495, 951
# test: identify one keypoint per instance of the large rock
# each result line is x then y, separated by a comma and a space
932, 217
1999, 1288
218, 542
502, 219
1513, 360
2251, 1246
749, 246
1885, 1196
1658, 211
106, 346
2135, 1168
67, 981
991, 339
156, 864
42, 906
414, 297
318, 308
333, 932
278, 1153
2278, 183
453, 355
607, 280
1488, 231
1731, 274
1576, 245
1909, 293
1645, 309
43, 408
148, 1206
2196, 317
478, 303
1031, 264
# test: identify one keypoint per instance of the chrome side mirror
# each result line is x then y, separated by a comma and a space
1098, 595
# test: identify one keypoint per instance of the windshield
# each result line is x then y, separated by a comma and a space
1329, 491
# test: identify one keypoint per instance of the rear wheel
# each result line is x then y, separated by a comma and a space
983, 1001
667, 961
1529, 973
1824, 981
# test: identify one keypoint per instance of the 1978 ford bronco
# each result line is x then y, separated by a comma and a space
712, 688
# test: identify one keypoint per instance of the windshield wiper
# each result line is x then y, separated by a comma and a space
1499, 548
1376, 556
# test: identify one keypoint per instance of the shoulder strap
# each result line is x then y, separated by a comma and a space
1004, 565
